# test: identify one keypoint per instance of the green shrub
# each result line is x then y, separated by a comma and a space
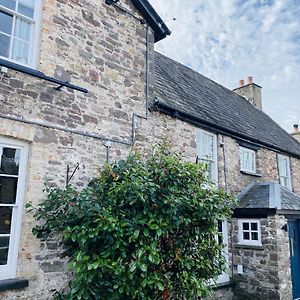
143, 229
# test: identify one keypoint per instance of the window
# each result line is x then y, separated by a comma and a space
19, 28
207, 151
222, 238
284, 171
249, 232
13, 160
248, 160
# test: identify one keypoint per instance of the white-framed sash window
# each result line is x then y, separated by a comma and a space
13, 164
20, 31
248, 160
222, 238
207, 151
284, 171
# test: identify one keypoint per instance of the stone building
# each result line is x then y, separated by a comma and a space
80, 85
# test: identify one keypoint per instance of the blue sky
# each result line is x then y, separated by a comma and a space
228, 40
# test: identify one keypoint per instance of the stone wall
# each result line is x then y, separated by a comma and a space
99, 48
266, 270
96, 47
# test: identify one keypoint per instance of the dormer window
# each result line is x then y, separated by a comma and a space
19, 22
248, 160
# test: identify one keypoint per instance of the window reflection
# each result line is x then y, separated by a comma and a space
8, 190
4, 246
5, 219
10, 161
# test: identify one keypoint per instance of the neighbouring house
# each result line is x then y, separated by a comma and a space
249, 155
296, 132
80, 85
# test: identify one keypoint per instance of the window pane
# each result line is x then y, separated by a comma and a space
5, 219
246, 236
11, 4
4, 244
245, 226
3, 256
26, 8
10, 161
8, 190
20, 51
6, 22
254, 226
254, 236
22, 29
4, 45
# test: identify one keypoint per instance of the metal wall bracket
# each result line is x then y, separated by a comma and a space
69, 177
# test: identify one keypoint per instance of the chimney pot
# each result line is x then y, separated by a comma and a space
242, 82
296, 128
250, 79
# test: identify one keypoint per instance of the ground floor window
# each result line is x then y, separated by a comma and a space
13, 163
249, 232
223, 240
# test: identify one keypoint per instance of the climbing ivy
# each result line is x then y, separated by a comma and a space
145, 228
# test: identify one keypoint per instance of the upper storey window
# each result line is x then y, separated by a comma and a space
207, 151
19, 21
248, 160
284, 171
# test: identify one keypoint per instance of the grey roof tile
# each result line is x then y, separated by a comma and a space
187, 91
268, 195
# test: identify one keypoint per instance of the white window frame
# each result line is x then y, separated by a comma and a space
224, 277
9, 271
282, 178
200, 135
34, 43
252, 162
249, 242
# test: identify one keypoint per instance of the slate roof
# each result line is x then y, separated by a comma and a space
268, 195
194, 97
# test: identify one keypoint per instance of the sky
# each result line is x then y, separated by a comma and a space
229, 40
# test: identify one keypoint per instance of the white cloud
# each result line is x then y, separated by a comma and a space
228, 40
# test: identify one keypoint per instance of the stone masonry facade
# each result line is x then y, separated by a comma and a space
266, 269
104, 50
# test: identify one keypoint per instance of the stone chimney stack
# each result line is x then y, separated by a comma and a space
250, 91
296, 132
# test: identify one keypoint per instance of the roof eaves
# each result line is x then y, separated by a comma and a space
152, 17
185, 116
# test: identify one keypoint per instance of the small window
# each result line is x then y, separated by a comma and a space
207, 151
248, 160
284, 171
13, 160
249, 232
19, 30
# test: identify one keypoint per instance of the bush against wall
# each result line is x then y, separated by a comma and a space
145, 228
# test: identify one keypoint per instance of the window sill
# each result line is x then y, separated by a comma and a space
13, 284
252, 247
224, 285
251, 173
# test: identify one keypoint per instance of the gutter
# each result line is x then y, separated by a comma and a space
154, 20
40, 75
168, 109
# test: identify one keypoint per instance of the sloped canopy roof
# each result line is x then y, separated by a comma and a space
268, 195
195, 98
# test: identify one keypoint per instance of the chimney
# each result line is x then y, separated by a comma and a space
250, 91
296, 132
